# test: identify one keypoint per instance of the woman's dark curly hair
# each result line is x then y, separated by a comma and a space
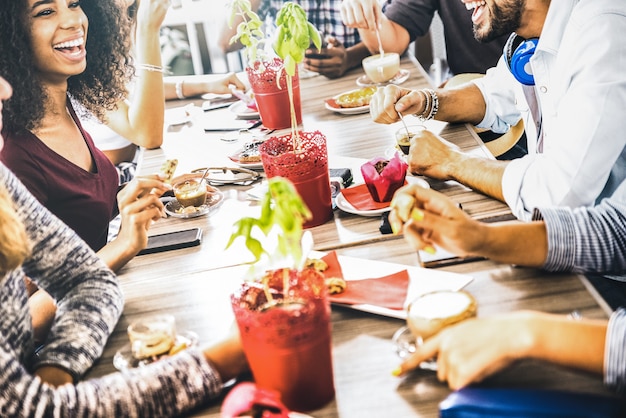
98, 89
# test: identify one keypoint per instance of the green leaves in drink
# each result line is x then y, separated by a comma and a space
295, 34
282, 208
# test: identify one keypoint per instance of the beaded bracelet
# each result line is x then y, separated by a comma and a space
434, 99
431, 104
179, 89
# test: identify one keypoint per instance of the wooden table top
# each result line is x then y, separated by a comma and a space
193, 284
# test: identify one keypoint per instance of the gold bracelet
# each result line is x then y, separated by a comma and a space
151, 68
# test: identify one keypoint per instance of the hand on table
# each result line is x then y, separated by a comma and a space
474, 349
223, 84
331, 61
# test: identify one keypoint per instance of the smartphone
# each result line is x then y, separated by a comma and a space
173, 241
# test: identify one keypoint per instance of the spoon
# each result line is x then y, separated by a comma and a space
408, 134
380, 43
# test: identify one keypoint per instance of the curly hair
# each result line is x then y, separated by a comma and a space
98, 89
14, 244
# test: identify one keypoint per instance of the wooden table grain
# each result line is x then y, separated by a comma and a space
194, 284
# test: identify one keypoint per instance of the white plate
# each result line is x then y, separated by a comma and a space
343, 204
242, 111
328, 103
256, 165
399, 78
421, 280
214, 199
123, 359
348, 110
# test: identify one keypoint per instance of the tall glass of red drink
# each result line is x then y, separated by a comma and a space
306, 167
287, 336
268, 80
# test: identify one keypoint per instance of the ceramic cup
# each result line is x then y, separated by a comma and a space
381, 68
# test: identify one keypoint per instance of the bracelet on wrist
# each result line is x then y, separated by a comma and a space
152, 68
431, 105
179, 90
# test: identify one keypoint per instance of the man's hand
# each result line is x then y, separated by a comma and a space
331, 61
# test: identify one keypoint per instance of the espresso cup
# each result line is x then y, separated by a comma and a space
403, 138
381, 68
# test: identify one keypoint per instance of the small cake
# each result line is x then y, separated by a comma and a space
383, 177
152, 337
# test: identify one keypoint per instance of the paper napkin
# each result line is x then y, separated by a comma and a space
387, 291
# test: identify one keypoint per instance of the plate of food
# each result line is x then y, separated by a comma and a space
248, 156
243, 111
352, 102
399, 78
125, 359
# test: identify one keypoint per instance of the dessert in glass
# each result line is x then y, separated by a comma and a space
190, 193
427, 315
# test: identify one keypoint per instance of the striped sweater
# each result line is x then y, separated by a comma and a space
89, 303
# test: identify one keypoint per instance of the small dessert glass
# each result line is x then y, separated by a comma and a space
190, 193
427, 315
156, 334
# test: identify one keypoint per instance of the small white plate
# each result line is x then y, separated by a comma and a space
331, 104
174, 209
347, 110
345, 206
242, 111
399, 78
255, 165
123, 359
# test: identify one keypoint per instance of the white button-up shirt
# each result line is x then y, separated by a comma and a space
579, 68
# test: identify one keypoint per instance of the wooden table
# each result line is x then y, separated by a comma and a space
194, 284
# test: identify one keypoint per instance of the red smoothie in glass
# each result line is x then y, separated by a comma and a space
269, 84
288, 342
306, 168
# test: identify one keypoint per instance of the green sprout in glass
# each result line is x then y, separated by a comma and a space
294, 36
281, 208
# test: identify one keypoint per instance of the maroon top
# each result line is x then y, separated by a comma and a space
84, 201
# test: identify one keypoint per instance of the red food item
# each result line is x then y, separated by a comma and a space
383, 177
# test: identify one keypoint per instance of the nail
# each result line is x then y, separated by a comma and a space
417, 214
396, 372
396, 227
429, 249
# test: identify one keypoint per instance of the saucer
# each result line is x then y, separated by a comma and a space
123, 359
174, 209
399, 78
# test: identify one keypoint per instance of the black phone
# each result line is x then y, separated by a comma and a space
173, 241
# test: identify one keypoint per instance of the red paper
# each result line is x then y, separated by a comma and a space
387, 291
